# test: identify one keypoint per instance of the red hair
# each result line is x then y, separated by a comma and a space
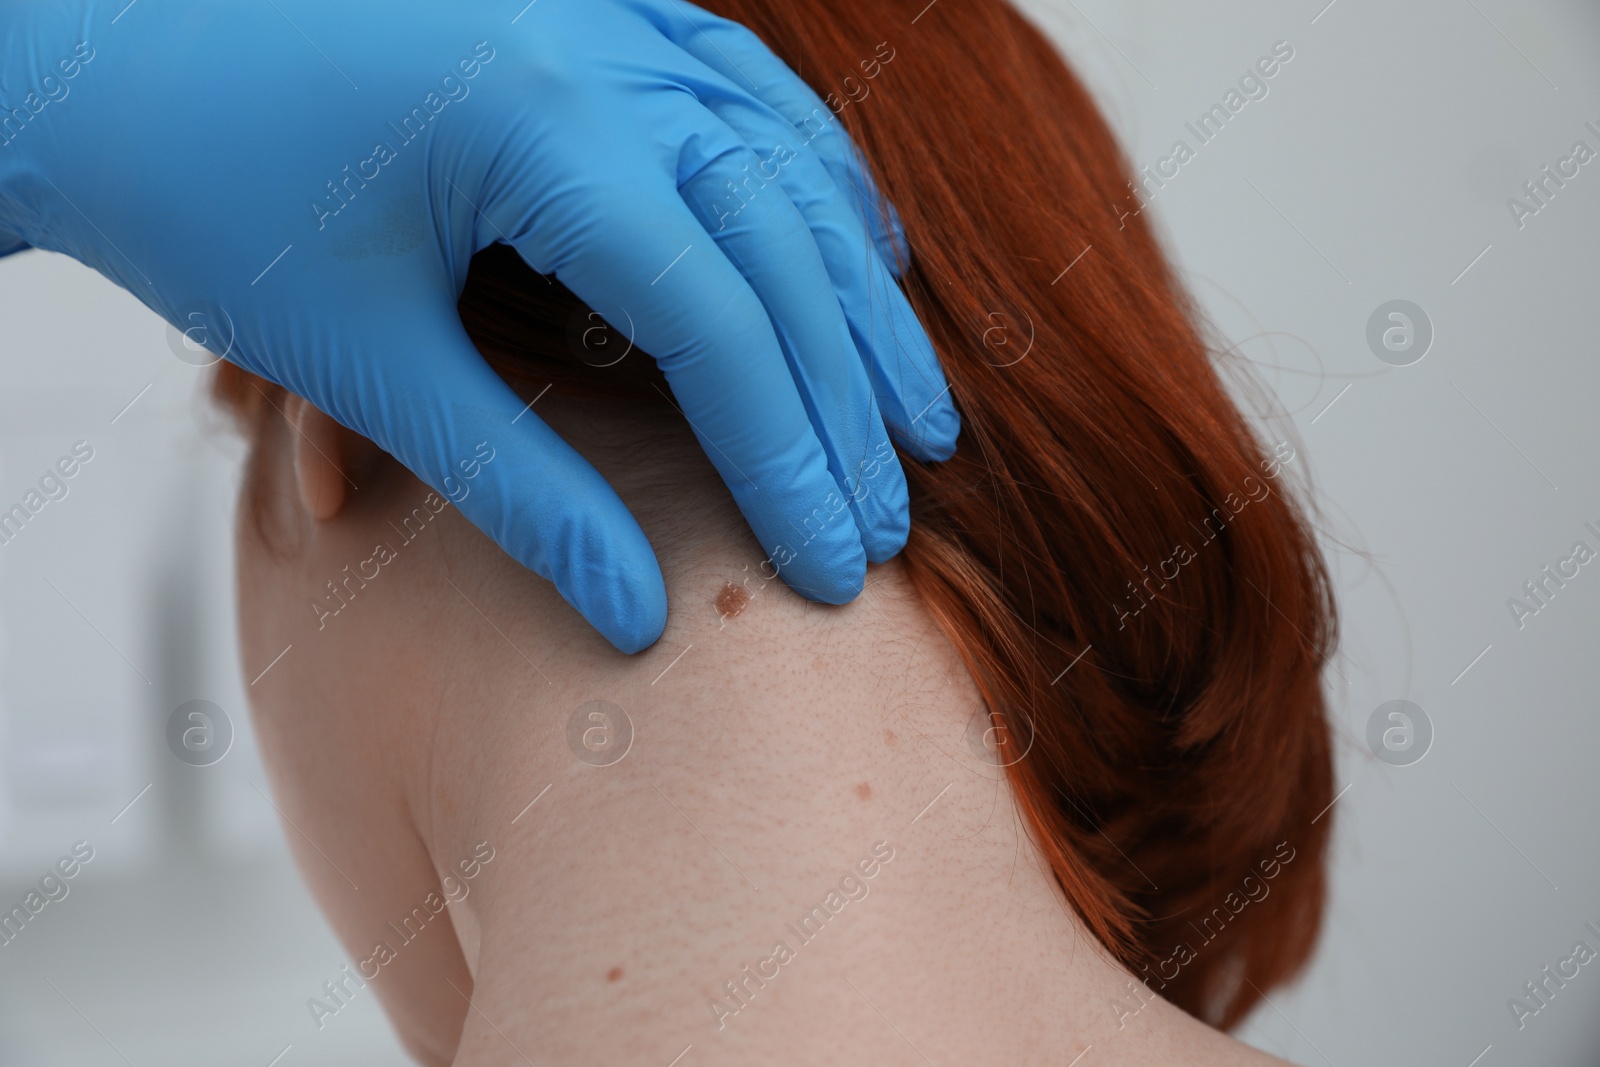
1138, 598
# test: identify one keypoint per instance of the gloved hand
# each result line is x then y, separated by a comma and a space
300, 186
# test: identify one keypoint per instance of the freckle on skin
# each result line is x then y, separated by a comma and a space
888, 737
864, 790
732, 600
614, 974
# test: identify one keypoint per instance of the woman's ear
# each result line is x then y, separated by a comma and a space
329, 460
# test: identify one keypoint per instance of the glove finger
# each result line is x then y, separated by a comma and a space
647, 260
459, 427
770, 243
905, 374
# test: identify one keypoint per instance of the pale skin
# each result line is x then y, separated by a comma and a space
410, 732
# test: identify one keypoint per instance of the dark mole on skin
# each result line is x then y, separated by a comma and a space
732, 600
613, 974
864, 791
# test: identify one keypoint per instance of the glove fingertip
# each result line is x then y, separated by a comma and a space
882, 504
885, 542
604, 567
832, 570
834, 588
632, 614
889, 236
933, 437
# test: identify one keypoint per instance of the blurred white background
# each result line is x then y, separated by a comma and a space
1378, 167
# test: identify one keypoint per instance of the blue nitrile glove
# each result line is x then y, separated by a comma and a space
300, 186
